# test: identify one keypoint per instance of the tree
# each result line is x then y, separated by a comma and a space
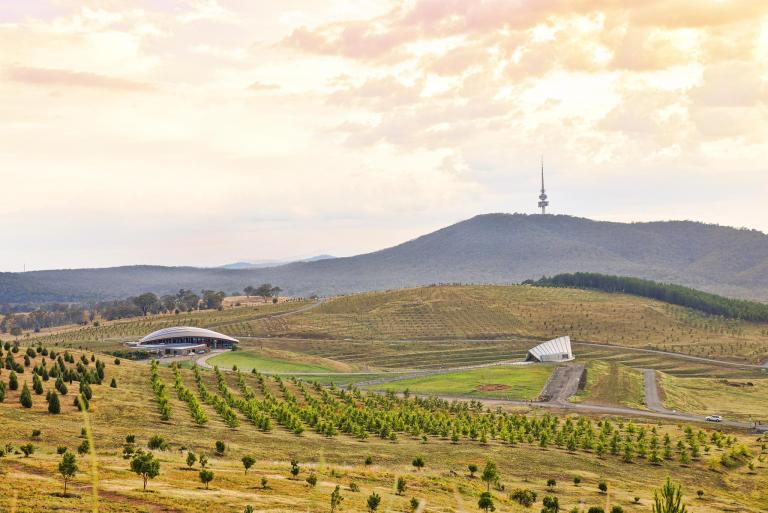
191, 459
295, 467
27, 449
248, 462
13, 381
373, 502
418, 462
523, 496
54, 406
336, 498
551, 483
617, 509
212, 299
249, 291
414, 504
312, 479
26, 397
68, 468
220, 447
206, 476
401, 485
602, 486
264, 290
576, 480
490, 474
146, 302
669, 499
113, 383
472, 469
486, 502
551, 504
145, 465
2, 391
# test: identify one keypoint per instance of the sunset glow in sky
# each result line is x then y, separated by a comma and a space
202, 132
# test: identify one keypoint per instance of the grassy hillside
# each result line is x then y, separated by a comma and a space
521, 383
612, 384
483, 312
745, 399
514, 441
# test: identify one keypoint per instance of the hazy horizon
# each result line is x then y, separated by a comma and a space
204, 132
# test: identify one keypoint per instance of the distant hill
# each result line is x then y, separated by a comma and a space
261, 264
491, 248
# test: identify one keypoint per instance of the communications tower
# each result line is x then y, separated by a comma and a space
543, 203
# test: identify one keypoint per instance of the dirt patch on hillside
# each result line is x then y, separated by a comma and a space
492, 388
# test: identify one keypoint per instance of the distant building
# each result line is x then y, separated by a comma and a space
555, 350
183, 340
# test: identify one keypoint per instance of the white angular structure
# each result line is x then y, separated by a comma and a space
555, 350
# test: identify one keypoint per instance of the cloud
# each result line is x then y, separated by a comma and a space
68, 78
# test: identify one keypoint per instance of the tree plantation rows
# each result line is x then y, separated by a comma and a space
49, 366
297, 406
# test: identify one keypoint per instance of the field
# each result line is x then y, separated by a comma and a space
745, 399
516, 382
333, 445
247, 361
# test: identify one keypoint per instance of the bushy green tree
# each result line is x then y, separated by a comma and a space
486, 502
373, 502
145, 465
248, 462
206, 476
26, 397
68, 468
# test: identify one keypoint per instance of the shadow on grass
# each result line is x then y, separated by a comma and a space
67, 495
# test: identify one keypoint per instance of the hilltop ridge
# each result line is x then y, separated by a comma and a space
488, 248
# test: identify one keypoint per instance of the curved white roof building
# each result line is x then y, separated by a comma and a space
555, 350
184, 332
182, 340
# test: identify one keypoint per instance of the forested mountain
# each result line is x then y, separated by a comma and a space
492, 248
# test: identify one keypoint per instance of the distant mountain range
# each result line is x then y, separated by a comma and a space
261, 264
491, 248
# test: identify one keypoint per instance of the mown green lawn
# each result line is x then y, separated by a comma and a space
518, 382
246, 360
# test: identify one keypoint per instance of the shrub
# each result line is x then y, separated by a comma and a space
418, 462
157, 442
576, 480
486, 502
129, 439
84, 447
27, 449
312, 479
401, 485
472, 469
595, 509
61, 449
264, 482
191, 459
602, 486
220, 447
54, 405
373, 502
551, 483
551, 504
248, 462
368, 460
523, 496
617, 509
206, 476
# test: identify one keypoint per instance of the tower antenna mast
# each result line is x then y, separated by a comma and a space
543, 203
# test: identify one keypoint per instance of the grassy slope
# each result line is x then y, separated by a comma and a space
29, 482
612, 384
246, 360
713, 396
523, 382
466, 312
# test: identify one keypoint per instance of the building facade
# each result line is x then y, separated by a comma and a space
183, 340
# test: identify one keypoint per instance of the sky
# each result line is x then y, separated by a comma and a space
202, 132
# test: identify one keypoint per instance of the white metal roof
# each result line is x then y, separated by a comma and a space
557, 346
184, 331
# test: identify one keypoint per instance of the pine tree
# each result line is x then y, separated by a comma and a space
54, 406
26, 397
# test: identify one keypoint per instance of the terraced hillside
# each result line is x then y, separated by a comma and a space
519, 312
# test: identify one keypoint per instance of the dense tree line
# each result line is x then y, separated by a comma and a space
675, 294
16, 319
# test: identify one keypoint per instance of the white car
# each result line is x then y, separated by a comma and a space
713, 418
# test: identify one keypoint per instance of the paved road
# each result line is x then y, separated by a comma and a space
651, 392
562, 383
